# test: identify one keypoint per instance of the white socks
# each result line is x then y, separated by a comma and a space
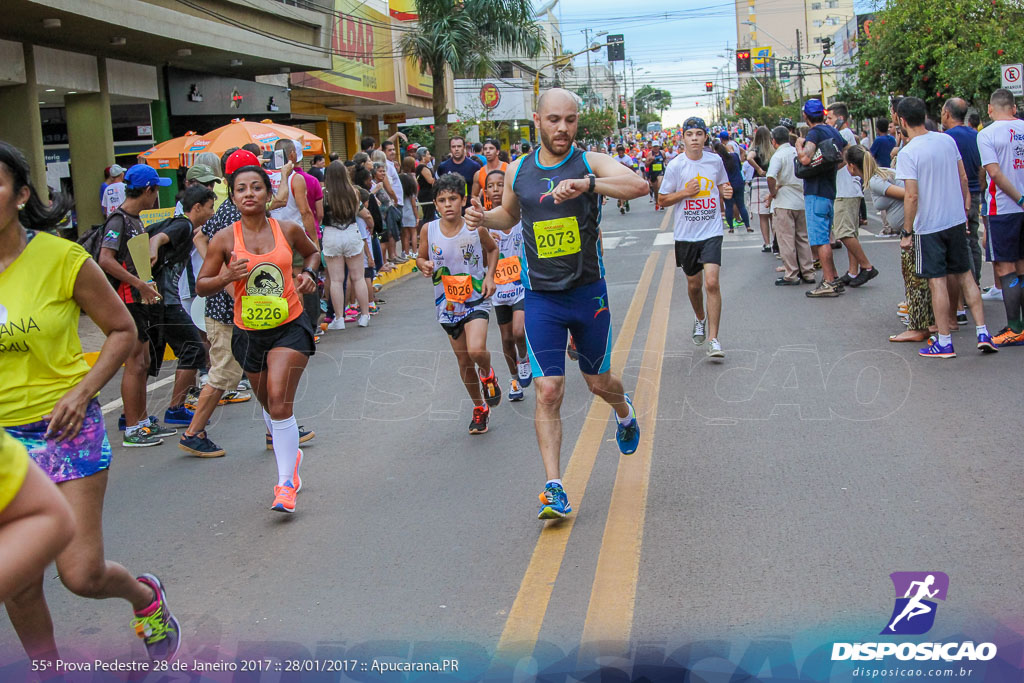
286, 447
629, 418
554, 481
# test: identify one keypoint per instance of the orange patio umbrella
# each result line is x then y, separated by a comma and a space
182, 152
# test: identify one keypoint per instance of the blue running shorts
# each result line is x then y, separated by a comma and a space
583, 312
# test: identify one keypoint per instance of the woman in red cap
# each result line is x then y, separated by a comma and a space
272, 338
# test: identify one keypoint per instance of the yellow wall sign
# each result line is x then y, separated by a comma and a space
151, 216
403, 10
363, 66
761, 58
420, 84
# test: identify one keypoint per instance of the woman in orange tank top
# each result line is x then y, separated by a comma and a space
272, 337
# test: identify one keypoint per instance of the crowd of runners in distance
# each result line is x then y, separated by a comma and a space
258, 264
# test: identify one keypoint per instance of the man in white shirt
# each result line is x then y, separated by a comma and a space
697, 181
936, 205
786, 194
113, 193
849, 194
1001, 145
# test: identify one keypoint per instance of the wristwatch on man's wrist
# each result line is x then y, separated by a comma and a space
904, 233
311, 273
593, 182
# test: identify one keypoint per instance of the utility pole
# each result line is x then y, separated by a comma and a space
799, 68
590, 84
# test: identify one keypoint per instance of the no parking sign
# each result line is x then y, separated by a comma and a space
1012, 80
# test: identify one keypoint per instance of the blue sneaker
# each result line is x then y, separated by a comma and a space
937, 350
554, 504
628, 435
515, 391
986, 345
525, 373
178, 416
121, 425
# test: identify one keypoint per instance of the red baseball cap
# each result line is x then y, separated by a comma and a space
412, 148
238, 159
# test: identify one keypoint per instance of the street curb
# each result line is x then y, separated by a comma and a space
400, 272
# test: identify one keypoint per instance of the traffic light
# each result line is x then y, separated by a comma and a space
743, 61
709, 86
826, 46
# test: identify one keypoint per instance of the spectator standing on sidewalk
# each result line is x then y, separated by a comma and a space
787, 197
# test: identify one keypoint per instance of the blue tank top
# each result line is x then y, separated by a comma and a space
561, 242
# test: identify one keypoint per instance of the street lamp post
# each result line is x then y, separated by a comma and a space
586, 37
536, 78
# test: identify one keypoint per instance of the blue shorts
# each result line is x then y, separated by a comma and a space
83, 456
1005, 243
584, 313
819, 213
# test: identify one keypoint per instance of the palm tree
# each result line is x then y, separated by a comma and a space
461, 35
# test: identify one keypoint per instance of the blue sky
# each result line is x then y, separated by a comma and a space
674, 51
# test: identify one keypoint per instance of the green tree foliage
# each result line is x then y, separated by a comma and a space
935, 52
461, 36
650, 100
749, 106
595, 124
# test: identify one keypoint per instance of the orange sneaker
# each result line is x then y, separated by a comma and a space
284, 498
296, 479
1007, 337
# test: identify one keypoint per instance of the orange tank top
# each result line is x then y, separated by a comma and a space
266, 297
482, 179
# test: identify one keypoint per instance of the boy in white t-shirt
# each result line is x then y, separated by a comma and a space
698, 182
936, 205
1001, 145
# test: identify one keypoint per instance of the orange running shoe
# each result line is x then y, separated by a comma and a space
296, 479
1007, 337
284, 498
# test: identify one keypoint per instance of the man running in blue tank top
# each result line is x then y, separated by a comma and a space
555, 192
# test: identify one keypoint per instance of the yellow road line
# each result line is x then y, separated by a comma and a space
522, 626
609, 620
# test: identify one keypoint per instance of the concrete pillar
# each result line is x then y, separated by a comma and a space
21, 124
160, 118
91, 140
351, 139
322, 130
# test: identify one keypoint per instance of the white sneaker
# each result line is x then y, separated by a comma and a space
364, 320
203, 379
336, 324
523, 370
715, 349
992, 294
699, 331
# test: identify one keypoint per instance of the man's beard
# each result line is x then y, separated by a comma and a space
548, 141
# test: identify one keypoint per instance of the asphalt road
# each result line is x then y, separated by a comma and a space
773, 493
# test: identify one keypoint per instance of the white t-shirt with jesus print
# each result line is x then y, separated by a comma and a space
699, 217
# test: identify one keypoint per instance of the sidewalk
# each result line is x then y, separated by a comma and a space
92, 337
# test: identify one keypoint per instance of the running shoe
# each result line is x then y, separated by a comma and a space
159, 430
192, 398
571, 349
244, 385
374, 309
234, 397
699, 331
627, 207
1007, 337
992, 294
961, 317
825, 289
204, 377
478, 425
937, 350
863, 277
200, 446
140, 438
492, 392
178, 416
363, 321
337, 324
352, 310
158, 628
515, 391
622, 210
985, 344
304, 436
628, 435
295, 473
554, 504
715, 349
351, 318
284, 498
121, 425
525, 373
846, 278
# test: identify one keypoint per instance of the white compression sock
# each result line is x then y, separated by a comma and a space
626, 420
269, 422
286, 447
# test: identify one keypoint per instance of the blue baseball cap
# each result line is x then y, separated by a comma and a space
141, 175
695, 122
724, 135
814, 107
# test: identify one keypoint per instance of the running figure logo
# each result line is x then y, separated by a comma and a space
914, 612
551, 188
601, 306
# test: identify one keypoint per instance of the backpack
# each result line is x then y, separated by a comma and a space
827, 157
92, 242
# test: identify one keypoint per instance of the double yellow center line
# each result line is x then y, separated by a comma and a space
613, 596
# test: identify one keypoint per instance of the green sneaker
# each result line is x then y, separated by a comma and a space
158, 430
140, 437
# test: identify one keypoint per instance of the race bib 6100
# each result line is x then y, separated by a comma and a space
557, 237
508, 270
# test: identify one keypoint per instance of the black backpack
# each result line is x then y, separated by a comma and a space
827, 157
92, 242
